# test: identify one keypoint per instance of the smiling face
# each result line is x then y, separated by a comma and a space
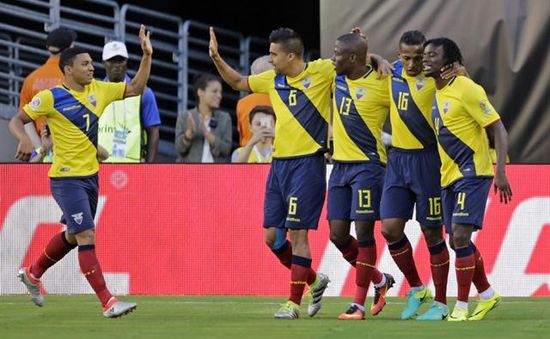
434, 60
81, 70
411, 57
211, 95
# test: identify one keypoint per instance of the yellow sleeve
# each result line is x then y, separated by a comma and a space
478, 106
262, 83
41, 105
385, 92
327, 68
110, 91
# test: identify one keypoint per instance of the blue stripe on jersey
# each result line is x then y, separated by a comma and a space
457, 150
398, 68
76, 112
355, 126
304, 111
412, 116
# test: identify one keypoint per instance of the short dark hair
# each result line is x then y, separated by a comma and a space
262, 109
356, 42
60, 38
201, 82
68, 55
412, 38
290, 41
450, 49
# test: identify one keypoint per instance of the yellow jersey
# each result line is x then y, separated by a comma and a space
461, 112
410, 110
73, 120
302, 106
360, 109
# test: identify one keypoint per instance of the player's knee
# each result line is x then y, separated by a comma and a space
338, 238
391, 234
460, 240
269, 239
86, 237
433, 236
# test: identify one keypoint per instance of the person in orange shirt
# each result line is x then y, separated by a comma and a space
247, 103
46, 76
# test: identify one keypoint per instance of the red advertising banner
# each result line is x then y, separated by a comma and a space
197, 230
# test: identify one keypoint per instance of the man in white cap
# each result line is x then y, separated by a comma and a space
122, 125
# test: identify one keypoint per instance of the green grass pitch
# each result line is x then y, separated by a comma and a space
251, 317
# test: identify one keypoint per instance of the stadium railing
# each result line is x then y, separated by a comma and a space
181, 49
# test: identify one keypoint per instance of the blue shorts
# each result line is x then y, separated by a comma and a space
354, 191
464, 202
77, 198
295, 192
413, 177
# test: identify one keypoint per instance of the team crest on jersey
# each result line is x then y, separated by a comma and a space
92, 100
420, 82
360, 92
78, 218
446, 107
35, 103
485, 107
306, 82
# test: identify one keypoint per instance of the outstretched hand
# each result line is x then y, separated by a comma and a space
213, 46
144, 38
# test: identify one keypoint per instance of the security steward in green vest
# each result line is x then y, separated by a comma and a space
128, 129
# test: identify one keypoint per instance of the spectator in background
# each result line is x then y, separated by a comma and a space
123, 122
247, 103
44, 153
203, 134
46, 76
259, 149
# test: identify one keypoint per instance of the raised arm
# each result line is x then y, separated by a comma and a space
137, 86
17, 129
233, 78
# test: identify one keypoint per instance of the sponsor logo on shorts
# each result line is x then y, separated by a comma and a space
78, 218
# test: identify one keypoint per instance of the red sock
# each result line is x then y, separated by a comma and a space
300, 270
311, 276
92, 271
465, 267
480, 278
401, 252
284, 253
439, 264
56, 249
365, 269
350, 251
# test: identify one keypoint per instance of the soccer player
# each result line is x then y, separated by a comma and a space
73, 110
300, 95
360, 106
461, 113
412, 178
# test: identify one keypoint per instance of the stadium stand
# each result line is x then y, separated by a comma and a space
181, 50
